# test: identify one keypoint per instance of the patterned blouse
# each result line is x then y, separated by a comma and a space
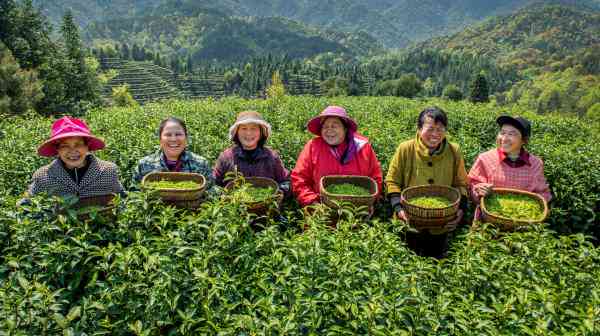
490, 168
190, 163
101, 178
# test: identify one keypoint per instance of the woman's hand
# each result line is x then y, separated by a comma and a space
401, 215
483, 189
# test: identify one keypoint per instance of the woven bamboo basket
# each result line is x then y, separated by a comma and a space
361, 181
430, 218
177, 195
508, 224
102, 201
260, 208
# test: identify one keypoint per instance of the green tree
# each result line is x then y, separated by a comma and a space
479, 89
122, 97
549, 101
408, 86
591, 98
8, 13
335, 86
82, 88
25, 32
19, 89
594, 112
276, 89
452, 92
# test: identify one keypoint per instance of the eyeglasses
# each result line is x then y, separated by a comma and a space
430, 129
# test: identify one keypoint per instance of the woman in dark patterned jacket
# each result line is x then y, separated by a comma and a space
75, 171
174, 156
249, 155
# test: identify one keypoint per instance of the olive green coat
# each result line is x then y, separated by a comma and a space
413, 165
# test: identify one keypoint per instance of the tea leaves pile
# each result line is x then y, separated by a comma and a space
348, 189
514, 206
174, 185
431, 202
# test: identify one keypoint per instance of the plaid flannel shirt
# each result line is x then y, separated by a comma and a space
190, 163
490, 168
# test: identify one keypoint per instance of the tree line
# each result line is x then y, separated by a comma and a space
39, 72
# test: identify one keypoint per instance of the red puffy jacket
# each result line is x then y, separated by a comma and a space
317, 160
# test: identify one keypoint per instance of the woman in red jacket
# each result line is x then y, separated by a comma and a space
337, 149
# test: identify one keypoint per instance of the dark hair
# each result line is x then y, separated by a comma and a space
175, 120
437, 114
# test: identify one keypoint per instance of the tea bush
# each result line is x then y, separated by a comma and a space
156, 270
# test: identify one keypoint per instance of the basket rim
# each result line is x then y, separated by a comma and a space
405, 202
169, 174
516, 191
369, 178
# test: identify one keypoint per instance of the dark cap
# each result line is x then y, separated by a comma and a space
522, 124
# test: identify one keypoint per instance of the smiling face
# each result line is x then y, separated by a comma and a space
249, 135
509, 139
72, 151
333, 131
173, 140
431, 133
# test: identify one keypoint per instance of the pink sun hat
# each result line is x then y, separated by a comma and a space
314, 125
67, 127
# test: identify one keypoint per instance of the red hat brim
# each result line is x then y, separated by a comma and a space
48, 148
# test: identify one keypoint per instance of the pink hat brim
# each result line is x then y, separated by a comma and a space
314, 124
49, 149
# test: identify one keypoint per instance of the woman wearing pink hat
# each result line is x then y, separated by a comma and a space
337, 149
75, 171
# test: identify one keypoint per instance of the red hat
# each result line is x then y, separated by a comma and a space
67, 127
314, 125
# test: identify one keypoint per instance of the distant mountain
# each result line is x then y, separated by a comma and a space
93, 10
210, 34
530, 37
396, 23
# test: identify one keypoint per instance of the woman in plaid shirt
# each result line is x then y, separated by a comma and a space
509, 165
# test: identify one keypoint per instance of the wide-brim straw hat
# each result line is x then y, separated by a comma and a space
67, 127
250, 117
314, 125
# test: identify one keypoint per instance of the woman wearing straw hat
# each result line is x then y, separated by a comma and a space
75, 171
337, 149
429, 158
509, 165
174, 155
249, 155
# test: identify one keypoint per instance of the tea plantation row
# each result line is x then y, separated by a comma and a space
159, 271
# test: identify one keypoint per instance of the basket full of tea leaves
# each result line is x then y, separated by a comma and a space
511, 208
101, 205
430, 206
358, 190
175, 186
257, 193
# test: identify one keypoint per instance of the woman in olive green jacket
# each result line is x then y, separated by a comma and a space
428, 159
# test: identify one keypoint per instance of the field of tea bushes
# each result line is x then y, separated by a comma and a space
154, 270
